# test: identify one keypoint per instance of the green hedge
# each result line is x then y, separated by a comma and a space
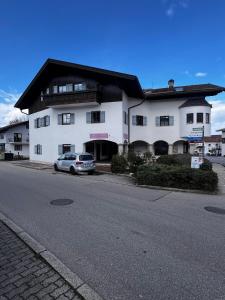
177, 177
119, 164
182, 160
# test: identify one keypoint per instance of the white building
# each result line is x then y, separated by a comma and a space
79, 108
223, 141
14, 138
213, 145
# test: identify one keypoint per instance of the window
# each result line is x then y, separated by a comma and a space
164, 121
38, 149
62, 89
66, 148
80, 87
17, 147
125, 117
42, 122
190, 118
27, 125
223, 140
2, 148
207, 118
17, 137
46, 121
1, 136
66, 119
69, 87
47, 91
95, 117
55, 89
139, 120
199, 117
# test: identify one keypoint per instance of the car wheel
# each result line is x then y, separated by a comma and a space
72, 171
90, 172
56, 167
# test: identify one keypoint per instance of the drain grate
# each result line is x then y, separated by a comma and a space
61, 202
215, 210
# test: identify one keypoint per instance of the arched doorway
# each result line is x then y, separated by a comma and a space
101, 150
180, 147
161, 148
139, 147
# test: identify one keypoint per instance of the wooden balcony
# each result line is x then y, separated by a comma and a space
81, 97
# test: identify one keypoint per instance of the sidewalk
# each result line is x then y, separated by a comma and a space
23, 275
220, 170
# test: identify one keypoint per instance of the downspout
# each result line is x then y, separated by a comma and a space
129, 108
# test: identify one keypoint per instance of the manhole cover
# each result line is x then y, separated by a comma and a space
61, 202
216, 210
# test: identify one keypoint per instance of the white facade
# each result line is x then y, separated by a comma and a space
15, 139
115, 127
77, 134
223, 143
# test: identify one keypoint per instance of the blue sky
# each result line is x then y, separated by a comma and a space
153, 39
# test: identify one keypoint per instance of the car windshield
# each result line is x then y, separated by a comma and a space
85, 157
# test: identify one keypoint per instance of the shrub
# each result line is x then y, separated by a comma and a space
206, 166
134, 161
175, 159
119, 164
177, 177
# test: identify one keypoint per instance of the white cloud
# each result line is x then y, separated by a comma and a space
7, 110
174, 5
218, 115
200, 74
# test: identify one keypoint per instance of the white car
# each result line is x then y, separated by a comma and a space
75, 163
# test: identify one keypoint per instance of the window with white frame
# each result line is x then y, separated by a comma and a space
80, 86
18, 147
207, 118
139, 120
66, 119
95, 116
42, 122
199, 117
38, 149
164, 121
190, 118
125, 117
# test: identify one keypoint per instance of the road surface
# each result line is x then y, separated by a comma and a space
126, 242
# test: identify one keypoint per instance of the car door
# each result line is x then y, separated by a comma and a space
66, 162
60, 162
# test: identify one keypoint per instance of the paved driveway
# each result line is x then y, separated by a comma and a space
217, 159
126, 242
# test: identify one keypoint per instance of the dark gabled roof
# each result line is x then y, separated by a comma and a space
183, 91
52, 67
216, 138
13, 125
195, 101
222, 129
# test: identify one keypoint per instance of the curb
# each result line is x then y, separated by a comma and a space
83, 289
153, 187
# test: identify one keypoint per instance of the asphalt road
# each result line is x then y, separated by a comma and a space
125, 242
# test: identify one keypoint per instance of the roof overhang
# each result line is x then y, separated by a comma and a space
52, 68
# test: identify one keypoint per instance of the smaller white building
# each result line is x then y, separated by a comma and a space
213, 145
223, 141
14, 138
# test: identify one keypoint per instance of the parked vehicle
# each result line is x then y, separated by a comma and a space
75, 163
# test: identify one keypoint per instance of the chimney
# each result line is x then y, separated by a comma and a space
171, 84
